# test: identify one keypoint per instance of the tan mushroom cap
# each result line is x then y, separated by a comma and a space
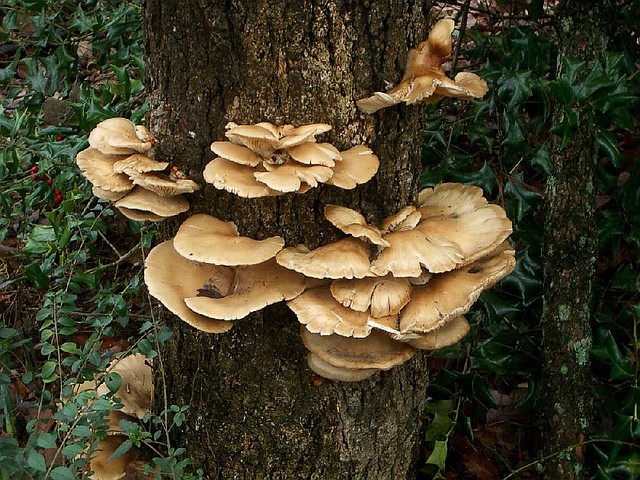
261, 138
378, 350
236, 153
477, 233
119, 136
235, 178
204, 238
447, 199
170, 278
303, 134
410, 250
106, 194
448, 334
163, 185
346, 258
459, 212
424, 79
394, 221
136, 389
255, 287
265, 138
98, 168
466, 86
338, 374
451, 294
354, 224
289, 176
106, 469
147, 201
379, 296
315, 154
358, 166
321, 313
141, 216
138, 163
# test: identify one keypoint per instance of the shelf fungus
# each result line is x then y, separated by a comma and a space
119, 164
136, 394
424, 78
409, 280
209, 275
267, 160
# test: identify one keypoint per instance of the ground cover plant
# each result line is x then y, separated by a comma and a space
71, 291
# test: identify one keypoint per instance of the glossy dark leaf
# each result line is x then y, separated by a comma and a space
608, 143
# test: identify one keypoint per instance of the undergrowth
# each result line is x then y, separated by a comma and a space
71, 272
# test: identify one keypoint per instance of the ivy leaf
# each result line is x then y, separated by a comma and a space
439, 427
438, 456
608, 143
562, 91
34, 273
521, 200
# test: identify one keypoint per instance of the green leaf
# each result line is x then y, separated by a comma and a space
567, 125
72, 450
121, 450
113, 381
562, 91
36, 461
34, 273
70, 347
62, 473
439, 427
438, 456
46, 440
40, 239
608, 143
48, 369
571, 70
521, 199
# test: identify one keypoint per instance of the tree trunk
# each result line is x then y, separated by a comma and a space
569, 254
256, 410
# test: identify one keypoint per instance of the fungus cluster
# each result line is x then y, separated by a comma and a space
424, 79
120, 166
135, 394
367, 302
265, 160
402, 286
209, 276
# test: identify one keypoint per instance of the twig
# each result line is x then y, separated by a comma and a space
462, 18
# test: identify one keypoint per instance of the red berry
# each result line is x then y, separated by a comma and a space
59, 138
34, 177
49, 181
43, 177
57, 199
57, 193
34, 169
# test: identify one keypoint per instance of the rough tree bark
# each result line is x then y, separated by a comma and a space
256, 410
569, 254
